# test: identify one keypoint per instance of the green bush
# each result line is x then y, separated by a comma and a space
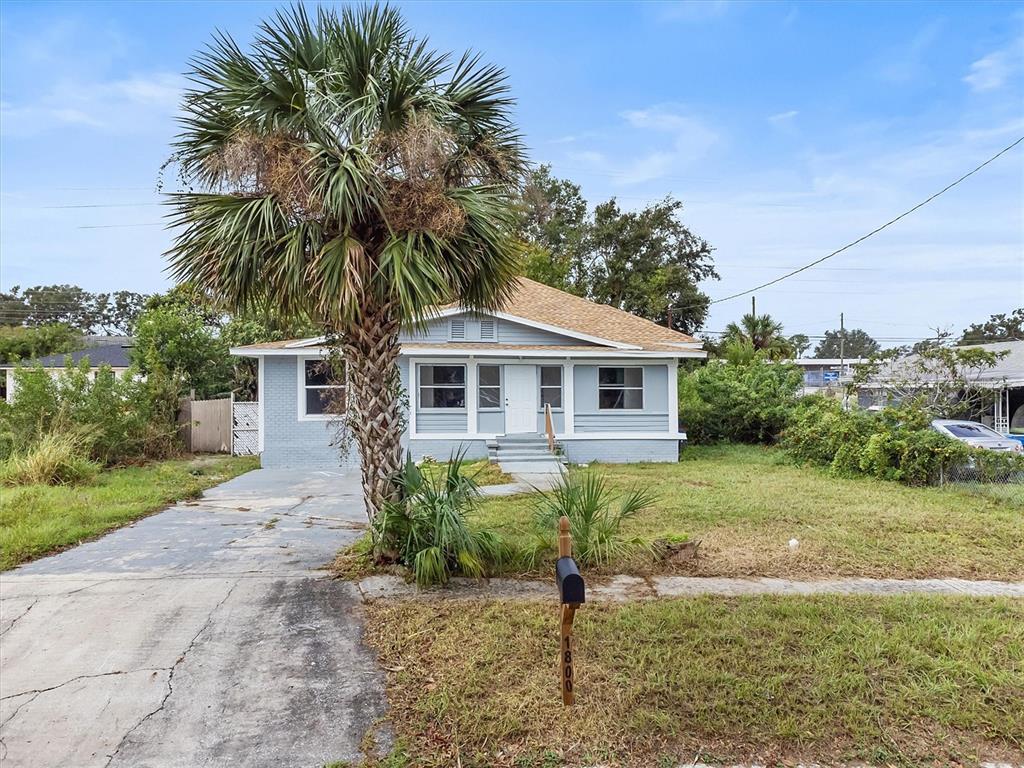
745, 402
56, 459
427, 529
127, 418
20, 342
895, 444
595, 517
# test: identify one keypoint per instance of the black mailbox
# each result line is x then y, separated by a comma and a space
570, 583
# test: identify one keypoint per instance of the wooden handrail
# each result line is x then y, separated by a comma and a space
549, 427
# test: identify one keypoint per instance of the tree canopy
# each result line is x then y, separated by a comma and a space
646, 262
1004, 327
854, 343
761, 332
72, 306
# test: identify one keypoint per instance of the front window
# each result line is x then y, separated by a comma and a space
620, 388
442, 386
970, 430
323, 389
489, 388
551, 386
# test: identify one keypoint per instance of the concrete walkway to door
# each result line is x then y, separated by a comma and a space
200, 636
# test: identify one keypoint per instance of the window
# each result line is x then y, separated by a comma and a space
968, 429
620, 388
489, 387
442, 386
323, 393
551, 386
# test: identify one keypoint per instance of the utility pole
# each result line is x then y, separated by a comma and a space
842, 343
753, 306
668, 316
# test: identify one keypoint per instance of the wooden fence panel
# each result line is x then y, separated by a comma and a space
206, 425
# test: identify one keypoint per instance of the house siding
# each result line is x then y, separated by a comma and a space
509, 332
289, 441
652, 417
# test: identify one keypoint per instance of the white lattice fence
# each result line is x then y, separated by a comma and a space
245, 429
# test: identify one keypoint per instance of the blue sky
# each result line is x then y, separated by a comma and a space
787, 130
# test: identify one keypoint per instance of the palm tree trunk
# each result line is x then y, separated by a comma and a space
373, 410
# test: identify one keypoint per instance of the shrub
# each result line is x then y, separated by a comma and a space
743, 401
427, 529
20, 342
56, 459
896, 444
127, 418
595, 517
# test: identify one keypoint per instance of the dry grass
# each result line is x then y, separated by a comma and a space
898, 680
745, 503
37, 520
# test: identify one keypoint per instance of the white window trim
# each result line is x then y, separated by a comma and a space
541, 387
501, 388
465, 378
642, 388
300, 370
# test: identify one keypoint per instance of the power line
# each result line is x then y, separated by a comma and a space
875, 231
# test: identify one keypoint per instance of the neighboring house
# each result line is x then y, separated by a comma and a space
478, 380
101, 350
826, 375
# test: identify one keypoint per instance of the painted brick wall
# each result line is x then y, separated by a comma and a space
621, 451
289, 442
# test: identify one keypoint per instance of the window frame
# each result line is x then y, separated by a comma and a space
500, 386
541, 387
623, 388
420, 386
303, 388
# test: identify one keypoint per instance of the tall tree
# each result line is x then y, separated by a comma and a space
646, 262
997, 328
71, 306
852, 342
800, 344
350, 173
762, 332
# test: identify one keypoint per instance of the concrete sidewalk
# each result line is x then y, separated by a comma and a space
624, 588
201, 636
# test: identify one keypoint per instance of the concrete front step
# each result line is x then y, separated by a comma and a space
514, 468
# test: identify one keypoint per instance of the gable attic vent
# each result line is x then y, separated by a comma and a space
457, 329
488, 330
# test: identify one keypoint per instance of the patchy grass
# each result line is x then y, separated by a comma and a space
37, 520
892, 680
745, 503
483, 471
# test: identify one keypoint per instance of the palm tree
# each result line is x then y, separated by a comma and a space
761, 332
341, 169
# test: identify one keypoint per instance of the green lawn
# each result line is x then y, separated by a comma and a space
897, 680
745, 503
36, 520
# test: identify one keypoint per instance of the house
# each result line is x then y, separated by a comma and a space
101, 350
480, 381
1003, 411
826, 375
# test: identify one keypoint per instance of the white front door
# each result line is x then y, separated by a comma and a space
520, 399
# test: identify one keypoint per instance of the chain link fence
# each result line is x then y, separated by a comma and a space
986, 473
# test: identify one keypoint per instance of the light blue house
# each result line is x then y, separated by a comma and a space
483, 382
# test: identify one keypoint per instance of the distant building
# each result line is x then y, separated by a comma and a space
826, 375
101, 350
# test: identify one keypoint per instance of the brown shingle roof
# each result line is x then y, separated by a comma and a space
560, 310
544, 304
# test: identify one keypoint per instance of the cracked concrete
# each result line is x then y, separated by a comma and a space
201, 636
623, 588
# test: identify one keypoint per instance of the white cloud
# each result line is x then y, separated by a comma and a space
994, 70
783, 118
906, 63
125, 106
683, 140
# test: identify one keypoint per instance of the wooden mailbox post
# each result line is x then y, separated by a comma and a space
572, 594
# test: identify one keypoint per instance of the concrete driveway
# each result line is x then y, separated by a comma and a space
200, 636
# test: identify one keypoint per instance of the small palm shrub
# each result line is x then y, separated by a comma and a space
596, 515
426, 527
57, 458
